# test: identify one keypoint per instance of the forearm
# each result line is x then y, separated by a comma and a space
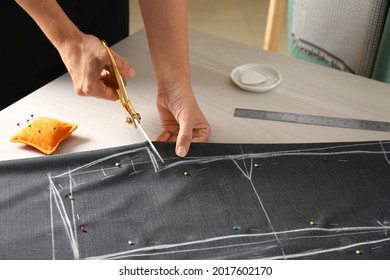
166, 27
52, 20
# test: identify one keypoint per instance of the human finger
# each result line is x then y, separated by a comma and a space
164, 136
184, 138
124, 66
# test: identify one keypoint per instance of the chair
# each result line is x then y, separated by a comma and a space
373, 62
276, 13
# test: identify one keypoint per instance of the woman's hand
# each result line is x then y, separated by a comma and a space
83, 55
181, 119
86, 59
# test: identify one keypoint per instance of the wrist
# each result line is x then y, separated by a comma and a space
174, 88
69, 42
177, 80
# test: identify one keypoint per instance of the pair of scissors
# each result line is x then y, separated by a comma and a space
114, 80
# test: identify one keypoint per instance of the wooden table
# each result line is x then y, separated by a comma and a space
305, 88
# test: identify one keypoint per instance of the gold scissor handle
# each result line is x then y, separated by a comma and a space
114, 80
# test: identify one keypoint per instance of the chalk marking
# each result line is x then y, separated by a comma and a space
72, 206
384, 152
238, 236
383, 227
135, 172
65, 219
236, 157
104, 178
104, 173
305, 254
52, 223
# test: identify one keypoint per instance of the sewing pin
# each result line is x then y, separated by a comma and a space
83, 229
257, 165
358, 252
130, 242
235, 228
186, 173
118, 164
18, 124
29, 126
70, 197
32, 116
38, 120
312, 223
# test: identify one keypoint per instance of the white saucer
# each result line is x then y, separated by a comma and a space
245, 77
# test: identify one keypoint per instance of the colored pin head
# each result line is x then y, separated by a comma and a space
186, 173
236, 228
18, 124
312, 223
118, 164
70, 197
83, 229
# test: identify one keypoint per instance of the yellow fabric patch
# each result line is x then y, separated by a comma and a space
44, 134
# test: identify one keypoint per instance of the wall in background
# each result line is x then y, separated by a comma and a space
238, 20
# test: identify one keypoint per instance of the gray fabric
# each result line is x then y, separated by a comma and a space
344, 33
236, 202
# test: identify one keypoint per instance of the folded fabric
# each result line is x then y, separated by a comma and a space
344, 33
44, 134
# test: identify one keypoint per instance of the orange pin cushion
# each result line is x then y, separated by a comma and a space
44, 134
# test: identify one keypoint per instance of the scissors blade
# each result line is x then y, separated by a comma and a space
148, 139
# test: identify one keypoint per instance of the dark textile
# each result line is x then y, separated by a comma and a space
29, 60
224, 201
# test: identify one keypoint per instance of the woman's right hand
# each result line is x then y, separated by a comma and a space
86, 59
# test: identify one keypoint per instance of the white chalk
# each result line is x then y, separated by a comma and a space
250, 77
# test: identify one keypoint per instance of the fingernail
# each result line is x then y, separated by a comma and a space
181, 151
131, 72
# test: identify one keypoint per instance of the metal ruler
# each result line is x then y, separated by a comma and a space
312, 119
